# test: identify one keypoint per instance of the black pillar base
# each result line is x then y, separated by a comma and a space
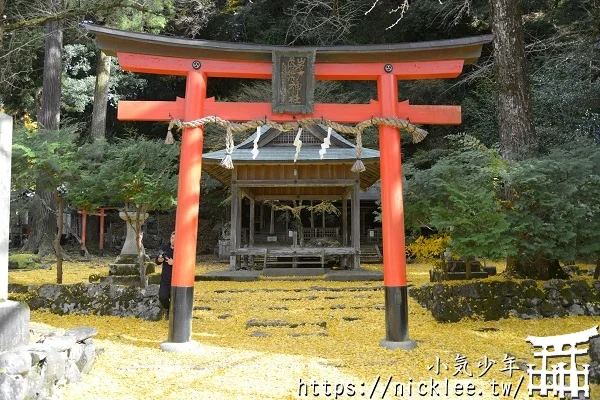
396, 319
101, 252
180, 314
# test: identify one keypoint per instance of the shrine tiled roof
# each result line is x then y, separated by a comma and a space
277, 147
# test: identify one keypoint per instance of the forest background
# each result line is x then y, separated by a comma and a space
519, 178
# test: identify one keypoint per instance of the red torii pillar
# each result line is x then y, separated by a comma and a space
186, 218
195, 106
83, 231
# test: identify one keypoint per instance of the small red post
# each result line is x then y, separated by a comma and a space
101, 244
392, 209
83, 230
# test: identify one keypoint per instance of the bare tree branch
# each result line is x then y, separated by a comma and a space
322, 22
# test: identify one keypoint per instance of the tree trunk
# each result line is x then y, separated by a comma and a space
49, 117
57, 247
2, 5
468, 270
515, 115
43, 224
98, 130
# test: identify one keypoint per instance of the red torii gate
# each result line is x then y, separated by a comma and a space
100, 213
198, 60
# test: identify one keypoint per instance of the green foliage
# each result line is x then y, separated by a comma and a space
140, 16
77, 81
131, 172
457, 197
554, 211
536, 211
41, 153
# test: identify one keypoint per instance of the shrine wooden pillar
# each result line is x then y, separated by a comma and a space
355, 224
186, 219
344, 221
251, 224
262, 217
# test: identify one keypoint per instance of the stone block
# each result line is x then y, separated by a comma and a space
88, 356
595, 349
83, 332
76, 352
14, 325
125, 280
60, 343
153, 279
12, 387
72, 373
35, 387
53, 369
293, 272
15, 362
50, 291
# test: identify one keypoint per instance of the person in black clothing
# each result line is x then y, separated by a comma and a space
165, 257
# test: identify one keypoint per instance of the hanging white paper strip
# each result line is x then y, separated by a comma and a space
298, 144
326, 143
255, 149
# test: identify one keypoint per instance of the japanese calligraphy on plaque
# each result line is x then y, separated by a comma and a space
293, 81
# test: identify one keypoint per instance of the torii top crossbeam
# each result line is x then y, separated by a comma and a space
146, 53
290, 69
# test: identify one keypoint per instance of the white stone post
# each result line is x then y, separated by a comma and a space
6, 126
14, 317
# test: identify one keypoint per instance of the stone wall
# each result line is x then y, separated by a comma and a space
94, 299
493, 300
594, 352
53, 358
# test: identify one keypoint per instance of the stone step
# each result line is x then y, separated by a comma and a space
130, 280
130, 269
293, 271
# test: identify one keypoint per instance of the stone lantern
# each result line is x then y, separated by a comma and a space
125, 269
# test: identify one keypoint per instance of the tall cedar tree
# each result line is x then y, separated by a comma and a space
44, 222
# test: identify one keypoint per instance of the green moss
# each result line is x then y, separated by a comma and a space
566, 295
548, 310
533, 292
24, 261
493, 308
